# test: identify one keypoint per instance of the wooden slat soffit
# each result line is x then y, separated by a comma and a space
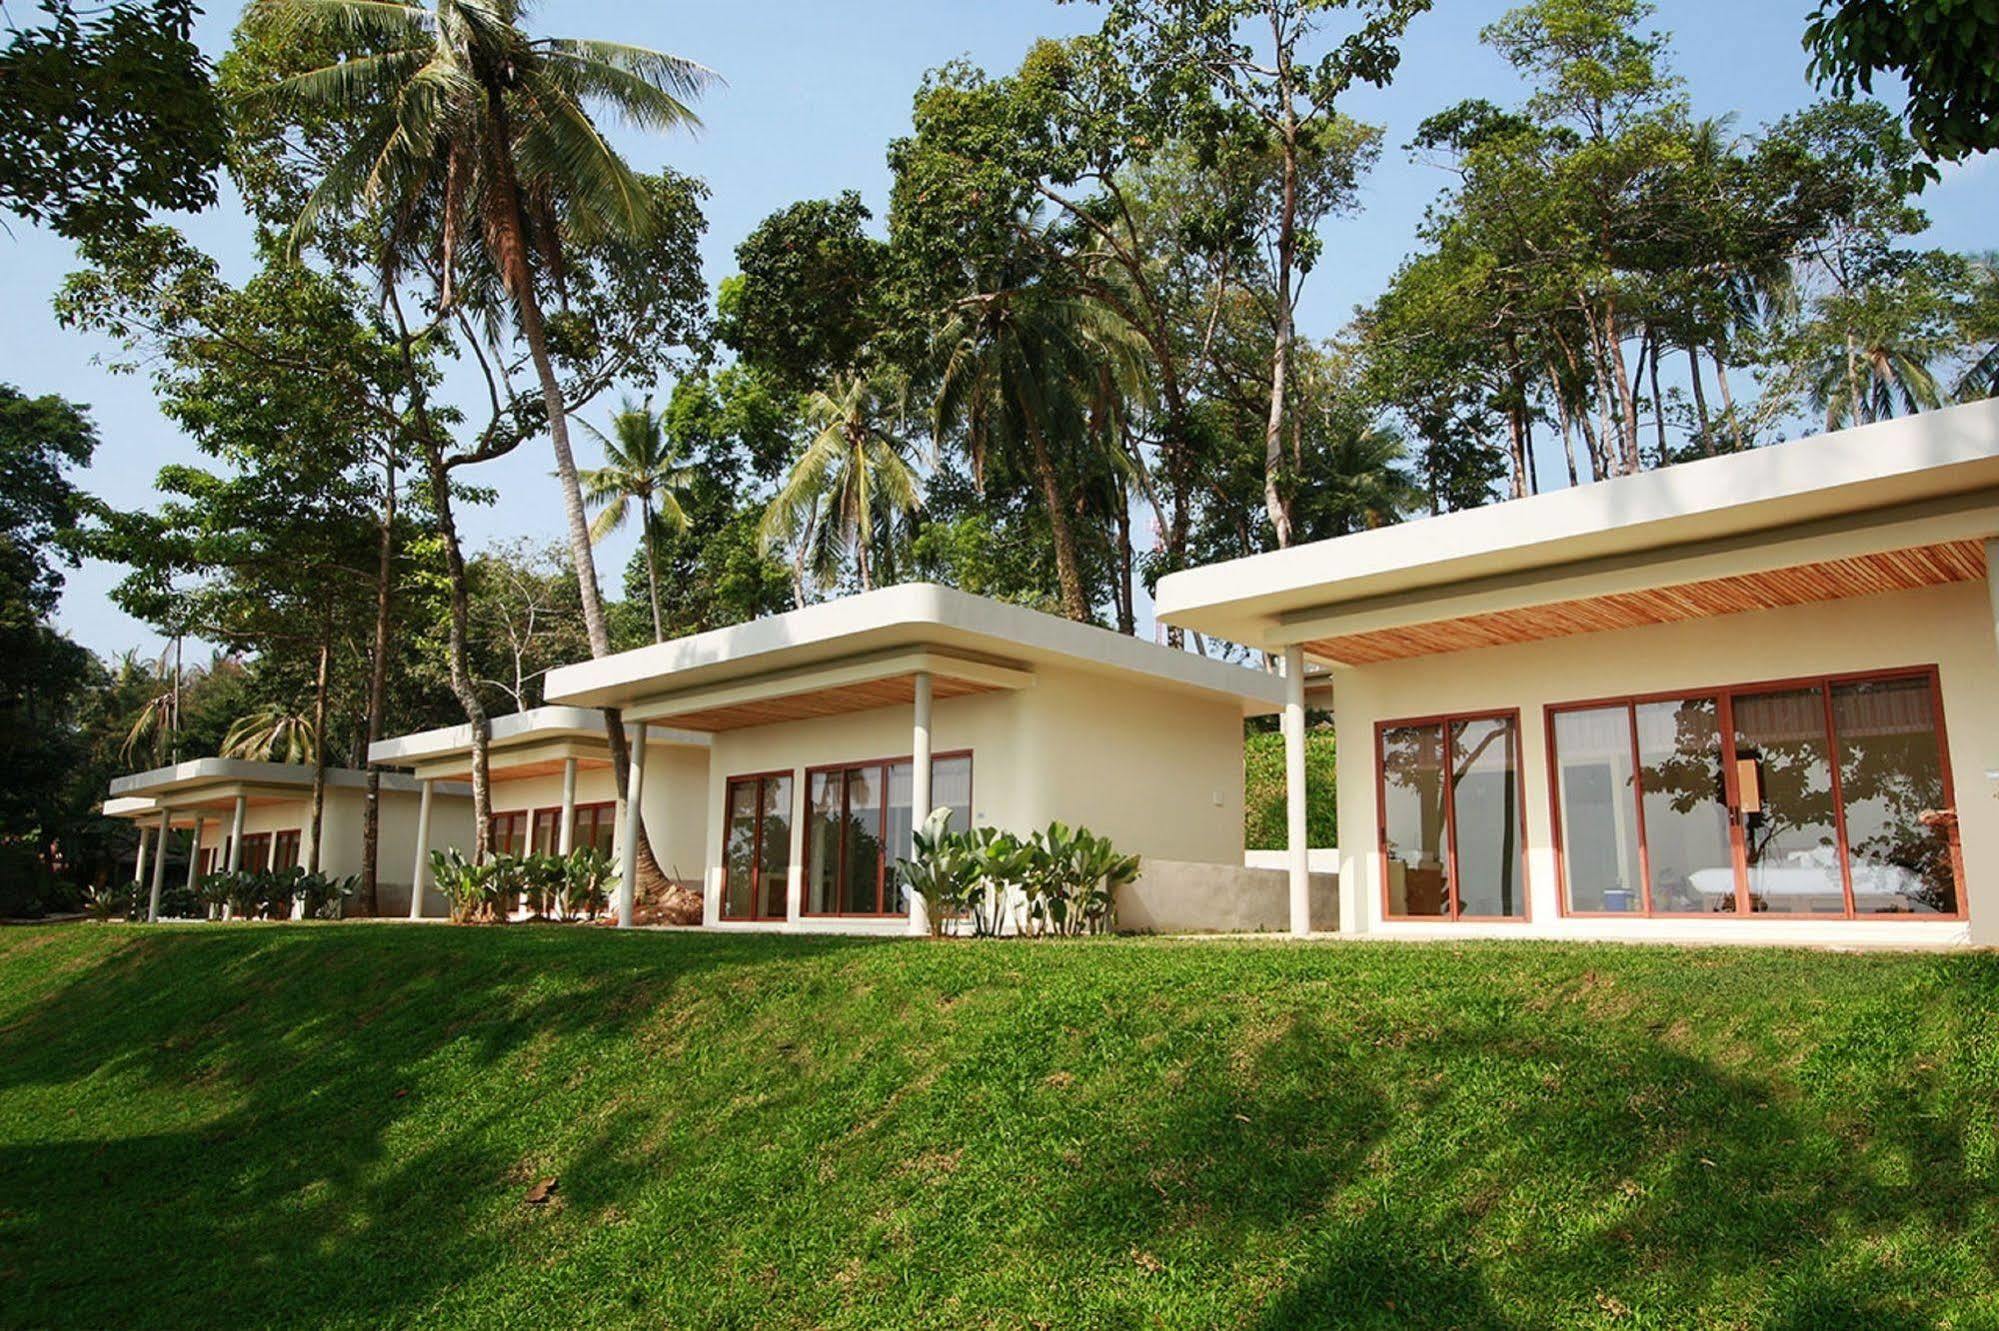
1830, 580
855, 697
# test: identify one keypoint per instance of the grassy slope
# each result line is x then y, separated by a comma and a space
336, 1125
1263, 789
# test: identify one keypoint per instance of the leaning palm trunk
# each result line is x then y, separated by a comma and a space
319, 749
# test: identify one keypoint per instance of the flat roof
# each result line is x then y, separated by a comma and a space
534, 726
198, 773
911, 617
1930, 456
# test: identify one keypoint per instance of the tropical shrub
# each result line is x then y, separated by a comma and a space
472, 889
1058, 882
588, 877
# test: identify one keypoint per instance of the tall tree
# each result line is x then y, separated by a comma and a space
1941, 51
642, 470
850, 487
1261, 59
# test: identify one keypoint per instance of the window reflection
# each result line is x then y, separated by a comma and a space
1451, 832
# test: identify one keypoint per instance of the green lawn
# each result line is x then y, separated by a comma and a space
338, 1124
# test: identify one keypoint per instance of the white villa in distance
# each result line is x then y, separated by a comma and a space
1747, 698
259, 816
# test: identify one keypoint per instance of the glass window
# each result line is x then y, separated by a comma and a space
1485, 818
860, 822
756, 853
1891, 780
1450, 831
1783, 777
1595, 790
284, 850
507, 833
1825, 798
544, 839
256, 851
1414, 838
1685, 805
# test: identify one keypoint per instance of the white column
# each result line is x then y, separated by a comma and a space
139, 869
236, 818
919, 788
236, 833
628, 833
565, 836
194, 854
159, 866
420, 871
1298, 840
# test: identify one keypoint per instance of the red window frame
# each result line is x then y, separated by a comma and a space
1724, 696
1446, 720
882, 765
256, 851
757, 780
600, 812
497, 839
285, 847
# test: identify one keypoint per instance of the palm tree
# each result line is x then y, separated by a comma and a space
1026, 366
482, 132
642, 470
270, 733
849, 487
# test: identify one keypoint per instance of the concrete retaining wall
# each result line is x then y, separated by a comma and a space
1184, 897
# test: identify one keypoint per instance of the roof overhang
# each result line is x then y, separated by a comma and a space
865, 651
216, 783
528, 743
1900, 504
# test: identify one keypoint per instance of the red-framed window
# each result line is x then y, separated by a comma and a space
1825, 797
858, 824
1450, 818
507, 833
256, 851
285, 849
756, 846
594, 824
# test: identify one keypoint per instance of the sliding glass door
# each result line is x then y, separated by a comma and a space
756, 847
1825, 797
1451, 818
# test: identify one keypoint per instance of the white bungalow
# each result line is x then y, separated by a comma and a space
1752, 698
553, 788
834, 730
257, 815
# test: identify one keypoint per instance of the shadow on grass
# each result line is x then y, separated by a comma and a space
334, 1125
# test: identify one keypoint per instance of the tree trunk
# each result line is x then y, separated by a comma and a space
1700, 399
461, 672
378, 683
652, 572
1274, 500
1517, 455
1727, 400
1658, 402
1127, 596
319, 689
1068, 569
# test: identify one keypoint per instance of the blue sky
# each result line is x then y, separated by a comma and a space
814, 92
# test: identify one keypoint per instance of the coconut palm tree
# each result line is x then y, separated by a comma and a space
481, 136
642, 470
850, 486
270, 733
1026, 368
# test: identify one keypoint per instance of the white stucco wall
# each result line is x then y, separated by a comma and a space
1949, 627
1157, 770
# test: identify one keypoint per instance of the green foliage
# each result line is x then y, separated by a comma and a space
109, 114
807, 300
1058, 882
1938, 51
1108, 1133
1263, 789
551, 886
263, 894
